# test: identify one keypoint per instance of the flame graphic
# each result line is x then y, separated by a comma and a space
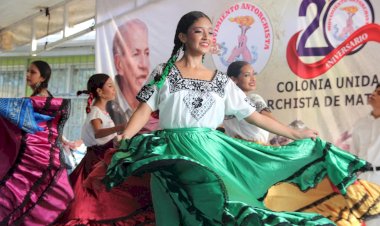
350, 9
242, 20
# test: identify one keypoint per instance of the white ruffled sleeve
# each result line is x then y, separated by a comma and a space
237, 103
259, 102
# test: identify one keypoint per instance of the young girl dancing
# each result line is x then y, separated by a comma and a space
201, 176
92, 204
243, 74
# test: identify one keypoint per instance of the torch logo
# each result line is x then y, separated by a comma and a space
243, 32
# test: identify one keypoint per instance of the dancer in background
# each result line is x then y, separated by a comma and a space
366, 142
92, 204
243, 74
37, 78
34, 186
201, 176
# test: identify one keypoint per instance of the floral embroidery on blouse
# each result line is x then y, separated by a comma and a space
198, 103
145, 93
216, 85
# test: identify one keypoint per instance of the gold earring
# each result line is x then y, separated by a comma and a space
38, 84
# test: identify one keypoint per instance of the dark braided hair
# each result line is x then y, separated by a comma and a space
45, 71
234, 68
183, 26
96, 81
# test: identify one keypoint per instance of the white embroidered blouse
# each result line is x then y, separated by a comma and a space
187, 103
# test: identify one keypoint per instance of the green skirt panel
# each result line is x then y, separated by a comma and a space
213, 179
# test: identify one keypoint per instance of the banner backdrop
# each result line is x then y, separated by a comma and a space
316, 60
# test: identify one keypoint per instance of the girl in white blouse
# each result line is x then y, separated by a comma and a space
99, 128
243, 74
201, 176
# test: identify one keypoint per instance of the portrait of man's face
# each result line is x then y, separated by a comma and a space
132, 58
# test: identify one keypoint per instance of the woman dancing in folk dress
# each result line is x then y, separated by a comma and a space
243, 74
201, 176
93, 205
34, 187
